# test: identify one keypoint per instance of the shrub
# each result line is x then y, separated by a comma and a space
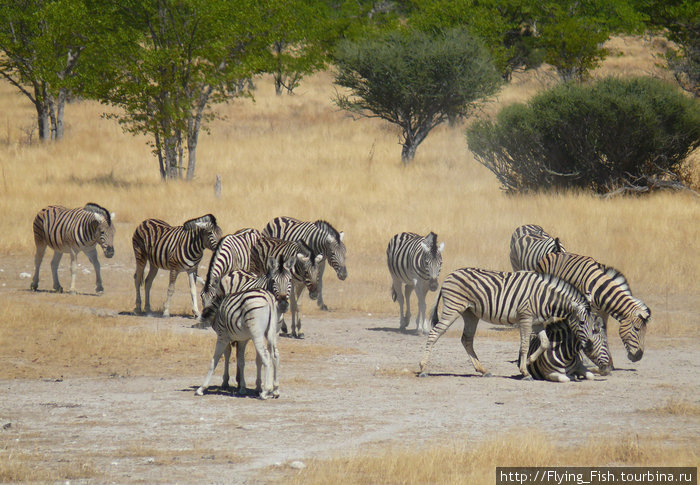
615, 134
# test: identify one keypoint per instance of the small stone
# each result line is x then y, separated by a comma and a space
24, 275
297, 465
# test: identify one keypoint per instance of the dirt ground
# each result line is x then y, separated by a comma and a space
363, 395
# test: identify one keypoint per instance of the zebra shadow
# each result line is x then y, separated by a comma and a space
221, 391
394, 330
158, 314
446, 374
64, 292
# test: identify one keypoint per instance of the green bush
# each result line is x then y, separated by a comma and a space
613, 134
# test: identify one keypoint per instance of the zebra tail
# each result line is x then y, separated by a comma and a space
393, 293
434, 312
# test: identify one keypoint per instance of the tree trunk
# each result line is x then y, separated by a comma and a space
43, 121
159, 151
60, 108
408, 152
194, 125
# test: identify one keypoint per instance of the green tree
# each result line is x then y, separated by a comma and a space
414, 80
42, 43
609, 136
173, 59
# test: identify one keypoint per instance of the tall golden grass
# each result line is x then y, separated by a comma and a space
300, 156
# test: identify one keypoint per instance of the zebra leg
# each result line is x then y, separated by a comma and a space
545, 345
152, 271
397, 293
319, 298
240, 367
171, 292
525, 333
227, 361
447, 318
275, 355
221, 345
421, 326
406, 318
38, 258
193, 292
55, 261
73, 270
470, 323
296, 318
92, 256
264, 367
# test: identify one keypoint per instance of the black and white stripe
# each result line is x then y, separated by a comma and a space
529, 244
414, 263
72, 231
611, 295
321, 237
174, 248
562, 361
233, 253
523, 298
305, 272
240, 317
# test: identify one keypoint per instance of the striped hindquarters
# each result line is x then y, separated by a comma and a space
233, 252
235, 313
174, 248
529, 244
305, 269
66, 230
411, 257
610, 292
320, 236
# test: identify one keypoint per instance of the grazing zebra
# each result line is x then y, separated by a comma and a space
522, 298
240, 317
305, 272
232, 253
563, 361
414, 263
277, 280
529, 244
611, 295
71, 231
174, 248
321, 237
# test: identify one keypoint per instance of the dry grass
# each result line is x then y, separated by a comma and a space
461, 462
677, 407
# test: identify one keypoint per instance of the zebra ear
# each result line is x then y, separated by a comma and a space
303, 257
441, 247
99, 217
271, 263
319, 258
342, 235
290, 262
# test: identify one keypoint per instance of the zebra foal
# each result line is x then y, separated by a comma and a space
611, 293
305, 272
233, 252
414, 264
529, 244
72, 231
320, 237
562, 361
240, 317
174, 248
523, 298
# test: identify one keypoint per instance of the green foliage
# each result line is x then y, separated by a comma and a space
633, 134
414, 80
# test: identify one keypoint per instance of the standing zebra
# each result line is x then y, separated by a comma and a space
522, 298
321, 237
239, 317
611, 295
277, 280
71, 231
174, 248
233, 252
305, 272
529, 244
414, 263
563, 361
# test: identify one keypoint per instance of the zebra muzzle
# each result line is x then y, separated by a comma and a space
282, 304
109, 251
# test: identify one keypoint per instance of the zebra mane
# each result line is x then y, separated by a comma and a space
431, 239
212, 261
326, 226
617, 277
305, 249
192, 223
564, 287
92, 207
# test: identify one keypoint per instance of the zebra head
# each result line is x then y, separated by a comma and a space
432, 258
279, 279
599, 352
633, 327
581, 321
334, 249
206, 319
103, 227
307, 266
210, 232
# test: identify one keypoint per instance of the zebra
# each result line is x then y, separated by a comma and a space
414, 263
563, 361
277, 280
611, 295
240, 317
523, 298
529, 244
233, 252
71, 231
305, 273
321, 237
174, 248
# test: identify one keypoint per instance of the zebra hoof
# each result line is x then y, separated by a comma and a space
199, 392
323, 307
487, 374
34, 286
422, 374
166, 314
300, 336
58, 289
528, 378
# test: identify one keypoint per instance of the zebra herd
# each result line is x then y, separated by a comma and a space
560, 301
